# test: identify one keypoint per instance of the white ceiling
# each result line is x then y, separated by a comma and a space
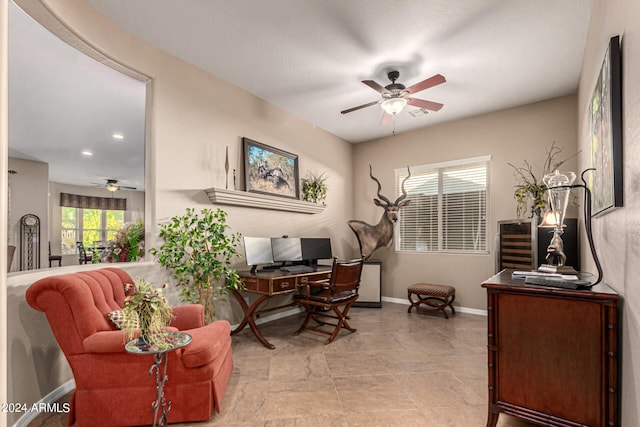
306, 56
309, 56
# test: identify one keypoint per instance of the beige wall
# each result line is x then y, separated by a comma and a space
29, 195
511, 135
617, 234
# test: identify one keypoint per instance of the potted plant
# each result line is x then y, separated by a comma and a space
128, 243
199, 251
529, 186
148, 310
314, 188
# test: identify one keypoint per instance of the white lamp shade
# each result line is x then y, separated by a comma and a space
393, 105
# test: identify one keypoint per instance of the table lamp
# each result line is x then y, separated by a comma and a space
559, 186
558, 189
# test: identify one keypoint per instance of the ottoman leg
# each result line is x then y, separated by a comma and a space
412, 304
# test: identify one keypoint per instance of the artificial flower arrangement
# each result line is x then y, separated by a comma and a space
128, 243
146, 309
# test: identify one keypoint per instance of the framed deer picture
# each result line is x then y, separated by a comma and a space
269, 170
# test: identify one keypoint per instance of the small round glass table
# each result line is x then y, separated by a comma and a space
175, 340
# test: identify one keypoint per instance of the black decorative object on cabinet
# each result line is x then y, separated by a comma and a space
522, 245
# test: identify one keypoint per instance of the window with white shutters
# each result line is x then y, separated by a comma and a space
448, 210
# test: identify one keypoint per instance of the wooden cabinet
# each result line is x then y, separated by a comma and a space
553, 353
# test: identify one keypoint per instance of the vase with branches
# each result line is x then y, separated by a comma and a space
529, 186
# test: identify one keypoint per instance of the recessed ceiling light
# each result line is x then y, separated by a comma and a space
118, 135
87, 153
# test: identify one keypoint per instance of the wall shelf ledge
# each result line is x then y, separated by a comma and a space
261, 201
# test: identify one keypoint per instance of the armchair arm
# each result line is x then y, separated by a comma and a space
187, 316
207, 343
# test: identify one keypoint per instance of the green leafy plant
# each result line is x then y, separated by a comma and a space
148, 310
529, 186
128, 243
198, 250
314, 188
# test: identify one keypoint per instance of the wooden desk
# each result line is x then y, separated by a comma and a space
269, 283
553, 353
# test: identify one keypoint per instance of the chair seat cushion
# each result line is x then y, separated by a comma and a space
326, 296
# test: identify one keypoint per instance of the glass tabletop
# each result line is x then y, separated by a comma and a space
175, 340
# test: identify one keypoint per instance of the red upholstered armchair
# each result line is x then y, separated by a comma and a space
113, 387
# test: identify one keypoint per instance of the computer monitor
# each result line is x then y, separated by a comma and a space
315, 248
257, 251
286, 249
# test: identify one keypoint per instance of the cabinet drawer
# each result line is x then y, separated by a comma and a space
286, 284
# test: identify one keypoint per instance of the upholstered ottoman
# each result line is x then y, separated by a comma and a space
438, 297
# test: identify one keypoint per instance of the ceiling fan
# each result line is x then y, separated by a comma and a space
113, 185
396, 96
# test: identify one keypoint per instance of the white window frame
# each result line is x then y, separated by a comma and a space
80, 228
439, 168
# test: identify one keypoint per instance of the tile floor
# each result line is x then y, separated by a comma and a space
399, 369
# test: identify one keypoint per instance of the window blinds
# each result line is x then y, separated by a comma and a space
448, 210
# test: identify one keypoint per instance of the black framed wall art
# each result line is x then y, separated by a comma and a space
605, 133
269, 170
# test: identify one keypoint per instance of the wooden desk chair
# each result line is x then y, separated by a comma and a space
340, 291
83, 257
54, 257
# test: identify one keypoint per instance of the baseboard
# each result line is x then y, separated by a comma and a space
459, 309
53, 396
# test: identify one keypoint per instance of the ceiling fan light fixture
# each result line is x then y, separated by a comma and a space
393, 105
112, 187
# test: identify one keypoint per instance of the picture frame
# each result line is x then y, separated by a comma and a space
605, 134
269, 170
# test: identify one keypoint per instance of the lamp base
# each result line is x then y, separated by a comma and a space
560, 269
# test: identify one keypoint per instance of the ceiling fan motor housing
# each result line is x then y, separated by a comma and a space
394, 88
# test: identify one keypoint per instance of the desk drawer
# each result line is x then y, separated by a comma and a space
286, 284
316, 277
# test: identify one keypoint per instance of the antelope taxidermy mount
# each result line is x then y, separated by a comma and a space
371, 237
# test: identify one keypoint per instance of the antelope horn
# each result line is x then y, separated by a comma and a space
379, 186
404, 192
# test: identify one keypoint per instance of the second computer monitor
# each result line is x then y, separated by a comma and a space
286, 249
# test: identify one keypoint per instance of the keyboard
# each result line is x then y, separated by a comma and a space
296, 269
557, 283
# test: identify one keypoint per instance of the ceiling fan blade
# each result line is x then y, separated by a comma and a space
426, 84
375, 86
124, 187
369, 104
427, 105
386, 117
